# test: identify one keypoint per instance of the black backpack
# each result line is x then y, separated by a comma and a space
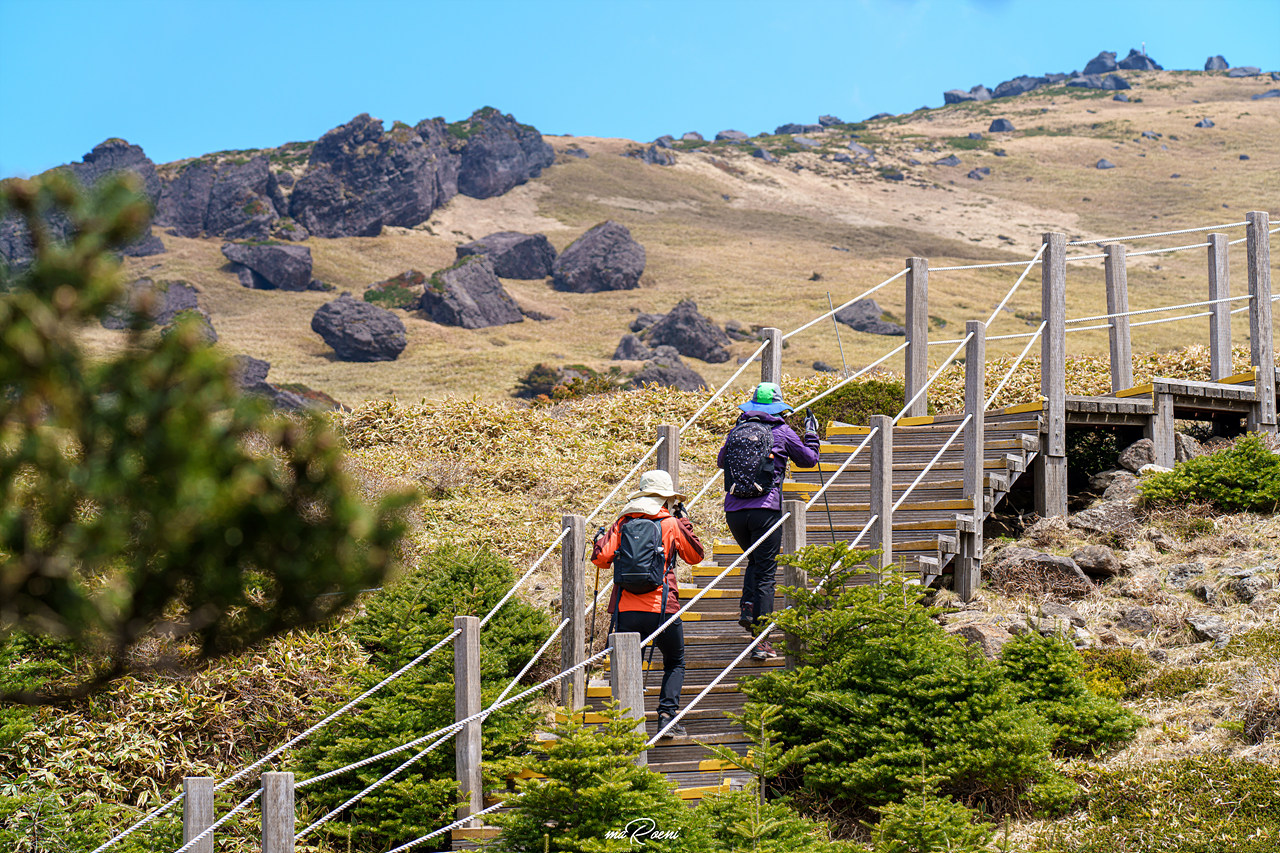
640, 562
748, 459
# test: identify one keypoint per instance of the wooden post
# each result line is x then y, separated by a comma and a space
1220, 312
197, 811
969, 563
466, 702
793, 539
626, 681
573, 602
917, 369
1162, 431
277, 813
881, 481
1263, 417
1051, 484
669, 453
771, 358
1118, 303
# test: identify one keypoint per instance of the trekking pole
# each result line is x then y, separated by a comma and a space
808, 414
595, 603
844, 365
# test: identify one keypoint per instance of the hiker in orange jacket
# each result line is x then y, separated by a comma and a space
643, 612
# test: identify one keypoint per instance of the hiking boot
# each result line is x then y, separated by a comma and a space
746, 620
675, 731
764, 651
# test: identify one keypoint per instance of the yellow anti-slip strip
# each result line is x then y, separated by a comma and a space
923, 420
1239, 378
700, 792
717, 764
848, 430
1136, 391
1023, 407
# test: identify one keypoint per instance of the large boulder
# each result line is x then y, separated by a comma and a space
468, 294
604, 258
1000, 125
514, 255
1111, 82
864, 316
1017, 86
631, 348
360, 178
270, 266
251, 376
959, 96
498, 153
654, 155
1136, 61
159, 301
730, 136
797, 128
690, 334
666, 369
234, 200
1103, 63
1141, 452
1105, 518
1216, 63
358, 331
989, 639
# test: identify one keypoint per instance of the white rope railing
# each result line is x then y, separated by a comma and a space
1138, 312
1003, 302
244, 804
1083, 258
724, 387
457, 823
505, 598
1167, 250
848, 379
1098, 326
536, 657
925, 388
899, 274
1157, 234
1016, 362
1172, 319
626, 479
978, 266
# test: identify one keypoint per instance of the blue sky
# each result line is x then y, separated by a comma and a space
186, 78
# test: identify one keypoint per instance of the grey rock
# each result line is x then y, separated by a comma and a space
879, 116
1017, 86
1141, 452
1205, 122
862, 150
1000, 125
1099, 482
1270, 93
731, 136
514, 255
233, 200
1137, 620
631, 348
975, 135
1054, 626
1123, 488
1037, 573
666, 369
1121, 97
270, 266
1210, 626
159, 302
286, 229
1016, 625
665, 141
604, 258
1054, 610
976, 174
1163, 541
1106, 518
1136, 61
653, 155
1111, 82
1104, 163
468, 294
498, 153
739, 331
980, 93
989, 639
1245, 71
864, 316
1102, 63
644, 321
949, 160
1097, 561
251, 376
692, 136
843, 158
1150, 134
1206, 592
956, 96
575, 152
1185, 447
797, 128
1216, 63
1248, 588
1181, 575
829, 121
764, 155
358, 331
823, 367
690, 334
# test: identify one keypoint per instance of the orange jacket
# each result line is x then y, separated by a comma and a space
677, 536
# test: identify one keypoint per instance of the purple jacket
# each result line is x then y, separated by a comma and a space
786, 446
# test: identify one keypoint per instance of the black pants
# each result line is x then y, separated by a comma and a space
760, 576
670, 642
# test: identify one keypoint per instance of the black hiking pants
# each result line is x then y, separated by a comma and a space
670, 642
760, 577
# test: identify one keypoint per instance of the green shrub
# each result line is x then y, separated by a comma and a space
405, 620
1053, 796
1244, 477
1045, 673
1176, 682
1260, 645
545, 383
1207, 804
393, 297
855, 403
1115, 672
927, 823
739, 822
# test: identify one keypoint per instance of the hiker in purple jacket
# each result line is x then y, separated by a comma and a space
750, 517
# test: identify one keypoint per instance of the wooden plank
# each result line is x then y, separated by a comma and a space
1020, 408
917, 333
922, 420
626, 680
969, 564
771, 358
197, 812
1219, 312
466, 703
1118, 304
573, 601
1261, 350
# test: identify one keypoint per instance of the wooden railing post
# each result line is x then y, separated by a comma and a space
1262, 354
626, 682
1219, 312
969, 563
794, 538
466, 702
278, 818
669, 453
197, 812
1051, 462
771, 358
881, 503
917, 322
1118, 303
573, 602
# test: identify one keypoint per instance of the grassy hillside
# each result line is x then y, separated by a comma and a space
745, 238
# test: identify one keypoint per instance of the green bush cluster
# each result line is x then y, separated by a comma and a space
926, 823
401, 623
1115, 671
545, 383
1244, 477
855, 403
1176, 682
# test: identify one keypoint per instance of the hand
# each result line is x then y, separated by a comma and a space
810, 422
679, 511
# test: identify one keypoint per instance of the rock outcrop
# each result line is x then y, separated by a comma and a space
1022, 570
1111, 82
864, 316
234, 200
631, 348
358, 331
730, 136
498, 153
159, 301
797, 128
959, 96
654, 155
1103, 63
269, 265
1216, 63
251, 375
666, 369
1136, 61
468, 294
514, 255
604, 258
690, 334
1000, 125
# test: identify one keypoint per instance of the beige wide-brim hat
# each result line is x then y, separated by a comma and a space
657, 484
